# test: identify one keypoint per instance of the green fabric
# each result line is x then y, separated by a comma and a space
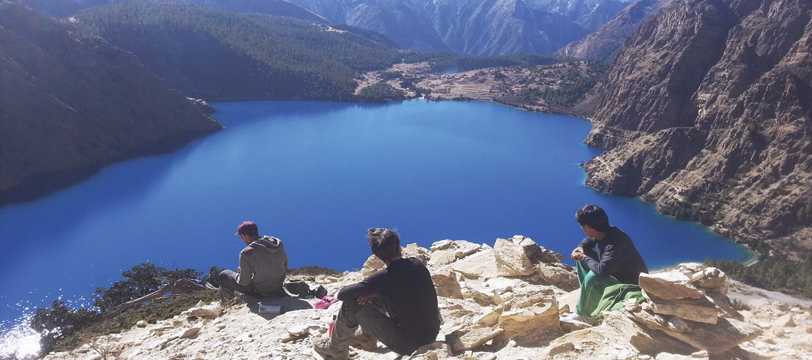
592, 289
614, 296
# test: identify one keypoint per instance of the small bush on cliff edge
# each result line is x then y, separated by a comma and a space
62, 328
57, 323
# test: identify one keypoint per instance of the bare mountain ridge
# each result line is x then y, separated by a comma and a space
492, 27
603, 44
72, 104
707, 111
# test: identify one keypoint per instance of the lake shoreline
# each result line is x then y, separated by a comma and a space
484, 175
44, 184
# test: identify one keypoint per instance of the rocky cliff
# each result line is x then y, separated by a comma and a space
500, 302
71, 104
605, 42
707, 111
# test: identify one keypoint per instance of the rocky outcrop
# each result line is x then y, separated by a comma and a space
71, 104
707, 111
695, 312
686, 313
487, 316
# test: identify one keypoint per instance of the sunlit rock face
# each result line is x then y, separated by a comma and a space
707, 111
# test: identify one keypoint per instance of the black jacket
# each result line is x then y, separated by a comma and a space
617, 257
407, 285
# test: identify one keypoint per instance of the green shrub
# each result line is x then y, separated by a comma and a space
771, 272
141, 280
62, 328
57, 323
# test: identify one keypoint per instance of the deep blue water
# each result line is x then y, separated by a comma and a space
317, 175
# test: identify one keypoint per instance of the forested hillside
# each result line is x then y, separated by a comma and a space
215, 54
72, 103
497, 27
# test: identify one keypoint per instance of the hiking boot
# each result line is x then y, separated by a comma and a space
363, 341
323, 348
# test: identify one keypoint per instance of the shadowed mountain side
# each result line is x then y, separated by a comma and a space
707, 111
72, 104
215, 54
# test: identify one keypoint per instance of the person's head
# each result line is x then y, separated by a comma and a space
594, 217
385, 244
248, 231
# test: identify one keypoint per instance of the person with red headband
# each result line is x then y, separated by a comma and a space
263, 265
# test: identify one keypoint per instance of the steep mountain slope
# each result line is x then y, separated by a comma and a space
589, 14
72, 104
490, 27
493, 27
707, 111
215, 54
604, 43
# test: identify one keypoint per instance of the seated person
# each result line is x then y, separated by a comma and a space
263, 264
396, 305
615, 262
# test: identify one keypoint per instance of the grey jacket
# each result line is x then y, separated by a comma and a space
263, 264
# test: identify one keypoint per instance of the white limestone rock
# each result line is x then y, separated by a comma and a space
512, 259
446, 284
471, 338
670, 285
481, 265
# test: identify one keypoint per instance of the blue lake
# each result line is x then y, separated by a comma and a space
317, 175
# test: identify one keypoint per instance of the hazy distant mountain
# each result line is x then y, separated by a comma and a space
73, 103
490, 27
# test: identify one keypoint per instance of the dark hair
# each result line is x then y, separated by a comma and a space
385, 244
593, 216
